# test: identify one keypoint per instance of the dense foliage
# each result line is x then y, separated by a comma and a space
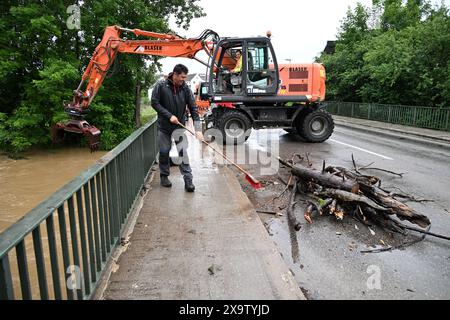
42, 59
396, 52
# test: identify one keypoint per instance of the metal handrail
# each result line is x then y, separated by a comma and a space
417, 116
104, 196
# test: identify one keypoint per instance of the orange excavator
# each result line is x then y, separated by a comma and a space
263, 94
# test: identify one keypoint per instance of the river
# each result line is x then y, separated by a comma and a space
26, 182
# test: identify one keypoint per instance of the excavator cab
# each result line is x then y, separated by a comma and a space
258, 76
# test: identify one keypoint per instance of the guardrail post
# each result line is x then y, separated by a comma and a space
75, 253
415, 117
22, 264
447, 120
40, 263
6, 285
64, 247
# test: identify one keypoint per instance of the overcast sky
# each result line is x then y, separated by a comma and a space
300, 28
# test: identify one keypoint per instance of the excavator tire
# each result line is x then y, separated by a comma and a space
316, 126
235, 127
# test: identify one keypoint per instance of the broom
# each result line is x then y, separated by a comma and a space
252, 180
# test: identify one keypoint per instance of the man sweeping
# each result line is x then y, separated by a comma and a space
170, 98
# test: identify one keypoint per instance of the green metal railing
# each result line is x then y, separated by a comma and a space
422, 117
60, 249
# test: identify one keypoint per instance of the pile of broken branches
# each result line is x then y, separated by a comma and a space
339, 191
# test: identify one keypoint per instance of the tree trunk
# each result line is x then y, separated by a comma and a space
322, 177
137, 110
403, 211
290, 209
346, 196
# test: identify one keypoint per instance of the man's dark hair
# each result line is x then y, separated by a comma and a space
180, 68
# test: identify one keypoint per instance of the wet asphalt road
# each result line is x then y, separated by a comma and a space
330, 264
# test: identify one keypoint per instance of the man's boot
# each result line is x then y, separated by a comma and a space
188, 185
165, 182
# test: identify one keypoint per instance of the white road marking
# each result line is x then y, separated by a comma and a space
361, 149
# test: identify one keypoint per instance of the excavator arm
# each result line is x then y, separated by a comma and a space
165, 45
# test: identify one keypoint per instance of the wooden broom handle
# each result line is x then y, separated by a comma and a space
224, 156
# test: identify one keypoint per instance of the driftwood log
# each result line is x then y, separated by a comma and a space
322, 177
340, 191
290, 209
352, 192
351, 197
403, 211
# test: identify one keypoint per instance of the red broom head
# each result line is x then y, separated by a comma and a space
254, 182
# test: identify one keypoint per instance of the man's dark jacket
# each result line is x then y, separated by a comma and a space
169, 100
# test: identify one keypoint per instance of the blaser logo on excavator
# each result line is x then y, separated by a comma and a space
298, 69
148, 48
156, 48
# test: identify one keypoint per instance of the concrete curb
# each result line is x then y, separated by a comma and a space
393, 133
282, 276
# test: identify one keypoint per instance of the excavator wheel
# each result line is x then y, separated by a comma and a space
235, 127
316, 126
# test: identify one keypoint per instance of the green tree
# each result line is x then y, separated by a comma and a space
344, 68
395, 52
400, 14
42, 61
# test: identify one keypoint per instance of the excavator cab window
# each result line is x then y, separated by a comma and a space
261, 72
226, 62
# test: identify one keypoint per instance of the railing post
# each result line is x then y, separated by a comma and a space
115, 200
53, 257
353, 110
91, 247
101, 213
22, 264
368, 111
111, 203
415, 117
84, 246
76, 256
389, 113
96, 221
106, 207
40, 263
447, 120
6, 284
64, 247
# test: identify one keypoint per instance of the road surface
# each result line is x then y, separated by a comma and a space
330, 264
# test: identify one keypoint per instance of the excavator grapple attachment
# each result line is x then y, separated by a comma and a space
93, 138
91, 133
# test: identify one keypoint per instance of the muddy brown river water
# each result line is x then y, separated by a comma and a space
24, 183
